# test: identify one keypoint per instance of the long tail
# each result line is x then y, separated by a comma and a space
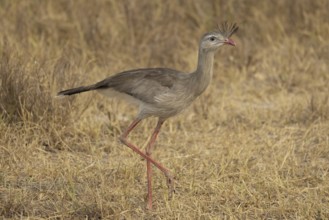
75, 90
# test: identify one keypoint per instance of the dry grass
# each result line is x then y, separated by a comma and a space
254, 146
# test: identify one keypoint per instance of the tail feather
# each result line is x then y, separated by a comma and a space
75, 90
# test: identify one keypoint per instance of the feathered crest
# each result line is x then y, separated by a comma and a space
227, 29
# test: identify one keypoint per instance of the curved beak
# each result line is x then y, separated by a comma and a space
229, 42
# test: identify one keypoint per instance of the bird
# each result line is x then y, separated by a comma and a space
161, 93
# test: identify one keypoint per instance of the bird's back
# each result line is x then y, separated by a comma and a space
161, 92
143, 84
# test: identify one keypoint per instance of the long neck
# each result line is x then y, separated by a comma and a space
203, 74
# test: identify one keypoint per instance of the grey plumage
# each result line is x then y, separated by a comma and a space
162, 92
153, 89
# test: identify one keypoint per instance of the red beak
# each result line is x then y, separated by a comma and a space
230, 42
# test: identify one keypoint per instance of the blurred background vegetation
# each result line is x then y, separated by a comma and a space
275, 80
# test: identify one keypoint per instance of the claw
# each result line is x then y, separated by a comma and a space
171, 185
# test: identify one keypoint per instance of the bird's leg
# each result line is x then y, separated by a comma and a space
130, 128
148, 163
123, 139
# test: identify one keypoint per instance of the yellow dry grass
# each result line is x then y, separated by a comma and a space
254, 146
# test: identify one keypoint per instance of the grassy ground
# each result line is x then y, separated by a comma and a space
254, 146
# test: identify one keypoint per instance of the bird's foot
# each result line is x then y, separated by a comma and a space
149, 205
171, 185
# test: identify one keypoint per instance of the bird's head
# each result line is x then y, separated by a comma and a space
213, 40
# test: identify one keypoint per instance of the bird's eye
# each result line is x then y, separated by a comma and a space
212, 38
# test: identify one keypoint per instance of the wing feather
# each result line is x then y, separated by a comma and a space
143, 84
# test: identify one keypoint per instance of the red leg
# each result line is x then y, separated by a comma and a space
123, 139
130, 128
148, 163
